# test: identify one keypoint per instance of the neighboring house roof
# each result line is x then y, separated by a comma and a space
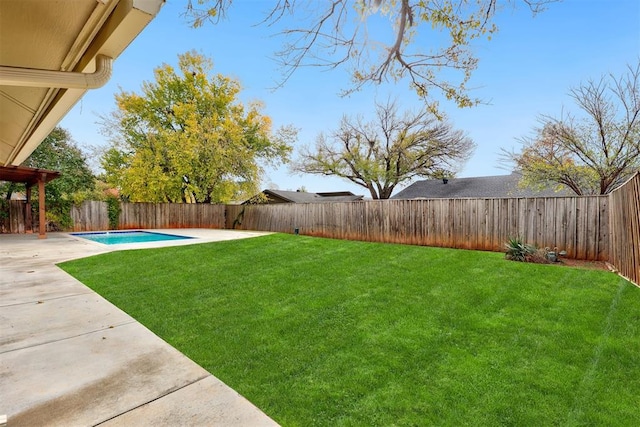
51, 53
499, 186
279, 196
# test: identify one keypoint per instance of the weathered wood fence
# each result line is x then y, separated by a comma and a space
166, 215
603, 228
15, 222
624, 214
93, 216
578, 225
90, 216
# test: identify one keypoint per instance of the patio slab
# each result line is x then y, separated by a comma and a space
69, 357
84, 314
182, 408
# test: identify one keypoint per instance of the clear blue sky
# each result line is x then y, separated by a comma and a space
526, 70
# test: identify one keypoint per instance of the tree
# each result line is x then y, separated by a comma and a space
58, 152
390, 150
591, 153
188, 138
325, 36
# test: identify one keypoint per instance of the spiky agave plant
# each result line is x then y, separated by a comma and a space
517, 250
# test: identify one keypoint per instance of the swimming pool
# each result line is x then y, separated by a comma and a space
133, 236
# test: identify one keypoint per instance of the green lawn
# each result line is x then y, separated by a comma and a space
339, 333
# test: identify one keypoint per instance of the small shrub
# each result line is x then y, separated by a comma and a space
4, 209
517, 250
4, 215
113, 211
539, 256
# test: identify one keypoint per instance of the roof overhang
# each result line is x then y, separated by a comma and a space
79, 38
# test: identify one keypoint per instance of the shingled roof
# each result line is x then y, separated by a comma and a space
279, 196
498, 186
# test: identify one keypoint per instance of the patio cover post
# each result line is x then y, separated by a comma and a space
28, 218
31, 176
42, 229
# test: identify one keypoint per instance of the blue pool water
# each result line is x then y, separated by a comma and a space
137, 236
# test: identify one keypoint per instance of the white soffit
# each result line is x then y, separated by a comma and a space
57, 36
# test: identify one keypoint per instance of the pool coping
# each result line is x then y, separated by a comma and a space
174, 236
196, 236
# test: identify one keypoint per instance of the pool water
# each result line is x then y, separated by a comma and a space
137, 236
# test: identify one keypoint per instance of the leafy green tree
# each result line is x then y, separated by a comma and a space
334, 33
392, 149
58, 152
186, 137
594, 151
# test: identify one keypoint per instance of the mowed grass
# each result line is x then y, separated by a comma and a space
339, 333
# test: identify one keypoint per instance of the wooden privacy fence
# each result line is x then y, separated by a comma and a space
603, 228
15, 222
578, 225
93, 216
90, 216
624, 213
170, 215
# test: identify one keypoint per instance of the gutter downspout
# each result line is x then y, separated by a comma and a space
14, 76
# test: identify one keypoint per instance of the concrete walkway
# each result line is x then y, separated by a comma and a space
68, 357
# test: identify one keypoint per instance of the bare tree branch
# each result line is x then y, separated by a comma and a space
329, 38
593, 153
392, 149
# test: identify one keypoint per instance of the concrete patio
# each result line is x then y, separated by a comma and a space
68, 357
